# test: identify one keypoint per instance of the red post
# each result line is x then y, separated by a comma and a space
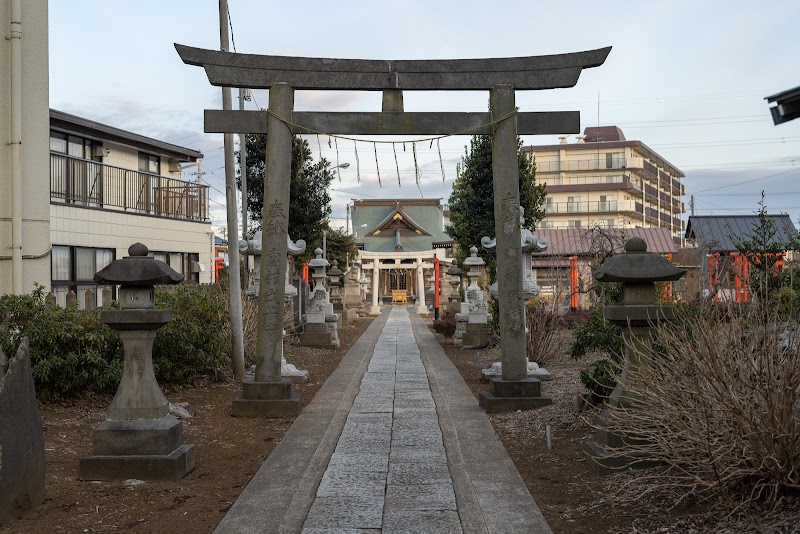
573, 283
666, 290
305, 272
436, 288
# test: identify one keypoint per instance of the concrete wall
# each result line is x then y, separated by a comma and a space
35, 147
118, 230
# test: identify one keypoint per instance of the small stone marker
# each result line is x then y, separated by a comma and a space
140, 439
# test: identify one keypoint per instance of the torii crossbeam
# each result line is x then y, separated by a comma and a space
283, 74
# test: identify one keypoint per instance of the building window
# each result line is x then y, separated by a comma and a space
149, 163
615, 160
76, 176
573, 204
574, 224
73, 269
181, 262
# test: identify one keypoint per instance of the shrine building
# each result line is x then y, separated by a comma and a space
398, 240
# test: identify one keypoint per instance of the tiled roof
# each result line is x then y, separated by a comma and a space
581, 242
720, 233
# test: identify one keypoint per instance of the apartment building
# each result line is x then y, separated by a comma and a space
605, 181
110, 188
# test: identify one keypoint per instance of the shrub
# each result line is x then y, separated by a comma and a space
598, 335
446, 324
545, 336
72, 352
718, 402
197, 340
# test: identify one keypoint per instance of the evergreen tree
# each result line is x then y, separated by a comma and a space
472, 199
309, 200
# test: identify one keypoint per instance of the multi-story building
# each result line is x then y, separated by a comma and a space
110, 188
606, 181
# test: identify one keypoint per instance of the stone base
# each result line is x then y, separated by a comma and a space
145, 449
513, 395
267, 399
172, 466
602, 454
319, 335
422, 310
475, 339
137, 437
374, 310
605, 461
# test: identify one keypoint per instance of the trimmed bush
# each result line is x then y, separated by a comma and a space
197, 341
446, 324
73, 354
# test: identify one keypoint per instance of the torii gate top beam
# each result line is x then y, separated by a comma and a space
261, 72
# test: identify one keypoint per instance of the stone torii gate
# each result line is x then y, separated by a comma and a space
267, 395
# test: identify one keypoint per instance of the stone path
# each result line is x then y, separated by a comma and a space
389, 470
394, 442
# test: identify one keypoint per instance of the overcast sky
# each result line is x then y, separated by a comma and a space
686, 78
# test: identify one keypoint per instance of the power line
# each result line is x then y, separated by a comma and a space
747, 181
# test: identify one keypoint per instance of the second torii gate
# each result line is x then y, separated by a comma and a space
267, 394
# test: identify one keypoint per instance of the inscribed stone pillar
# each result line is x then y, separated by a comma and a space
422, 309
275, 229
505, 171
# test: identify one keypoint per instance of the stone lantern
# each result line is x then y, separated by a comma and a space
472, 324
454, 274
637, 316
140, 439
335, 286
320, 329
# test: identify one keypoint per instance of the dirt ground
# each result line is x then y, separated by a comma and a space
574, 499
229, 451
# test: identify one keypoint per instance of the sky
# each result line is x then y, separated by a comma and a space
686, 78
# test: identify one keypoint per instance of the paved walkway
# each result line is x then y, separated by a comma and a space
394, 442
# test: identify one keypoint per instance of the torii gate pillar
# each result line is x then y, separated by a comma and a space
269, 395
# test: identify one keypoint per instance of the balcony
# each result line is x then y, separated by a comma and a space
608, 206
80, 182
581, 165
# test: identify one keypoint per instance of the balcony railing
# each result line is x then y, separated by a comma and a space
587, 180
82, 182
608, 206
581, 165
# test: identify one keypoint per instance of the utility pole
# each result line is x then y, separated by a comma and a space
691, 205
234, 275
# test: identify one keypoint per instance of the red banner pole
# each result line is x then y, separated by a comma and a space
436, 288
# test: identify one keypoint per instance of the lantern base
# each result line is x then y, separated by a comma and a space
606, 454
144, 449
